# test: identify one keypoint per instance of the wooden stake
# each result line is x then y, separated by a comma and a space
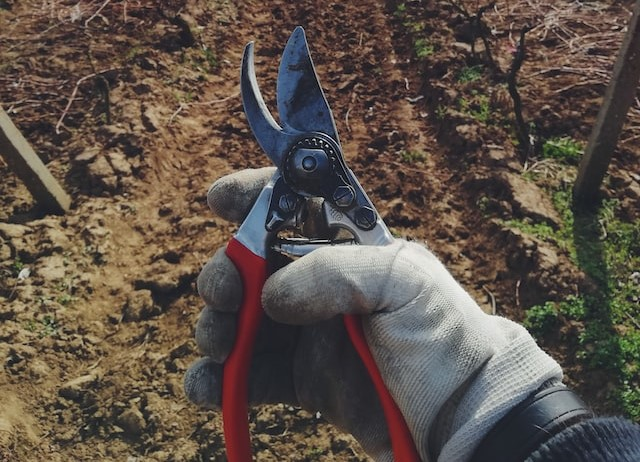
617, 100
22, 159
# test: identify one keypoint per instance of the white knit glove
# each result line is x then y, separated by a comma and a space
453, 370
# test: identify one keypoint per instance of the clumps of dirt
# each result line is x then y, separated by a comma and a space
18, 430
135, 108
112, 165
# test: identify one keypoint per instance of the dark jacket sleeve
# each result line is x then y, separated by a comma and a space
595, 440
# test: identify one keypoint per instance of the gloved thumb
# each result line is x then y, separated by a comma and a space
347, 280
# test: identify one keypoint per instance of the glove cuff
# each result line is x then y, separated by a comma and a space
538, 418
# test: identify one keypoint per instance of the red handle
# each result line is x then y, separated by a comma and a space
235, 380
235, 392
402, 444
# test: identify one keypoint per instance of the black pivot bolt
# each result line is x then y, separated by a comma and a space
365, 218
343, 196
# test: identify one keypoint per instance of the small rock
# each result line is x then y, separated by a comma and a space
531, 201
76, 388
523, 247
54, 239
119, 163
465, 47
51, 268
38, 369
102, 174
141, 89
380, 142
150, 119
163, 277
88, 155
5, 252
174, 387
119, 136
147, 63
13, 231
139, 306
547, 259
161, 455
7, 313
66, 436
497, 155
132, 422
469, 135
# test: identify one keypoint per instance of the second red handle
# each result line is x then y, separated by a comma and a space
402, 444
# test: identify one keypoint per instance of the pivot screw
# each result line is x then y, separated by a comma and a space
343, 196
309, 163
365, 218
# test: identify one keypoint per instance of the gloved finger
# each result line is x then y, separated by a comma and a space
349, 280
232, 196
216, 335
203, 383
269, 381
219, 284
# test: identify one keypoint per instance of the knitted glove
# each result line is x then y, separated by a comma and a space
453, 370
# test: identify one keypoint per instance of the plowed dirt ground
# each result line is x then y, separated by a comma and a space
135, 108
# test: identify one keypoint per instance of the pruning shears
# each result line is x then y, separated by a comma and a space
307, 152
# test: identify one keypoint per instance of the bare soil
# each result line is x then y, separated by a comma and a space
135, 108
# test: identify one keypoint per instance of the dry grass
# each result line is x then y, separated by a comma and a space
576, 45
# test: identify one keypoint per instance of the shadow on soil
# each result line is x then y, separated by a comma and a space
599, 341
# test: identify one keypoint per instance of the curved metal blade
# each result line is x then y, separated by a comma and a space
273, 140
301, 102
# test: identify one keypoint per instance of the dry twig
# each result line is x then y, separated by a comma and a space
75, 91
492, 298
86, 23
204, 103
478, 29
522, 130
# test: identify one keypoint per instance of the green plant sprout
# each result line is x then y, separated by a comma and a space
412, 156
563, 148
470, 73
423, 48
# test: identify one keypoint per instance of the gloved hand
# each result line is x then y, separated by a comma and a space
453, 370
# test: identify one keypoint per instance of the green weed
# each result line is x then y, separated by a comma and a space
314, 453
545, 318
470, 73
542, 231
65, 299
541, 319
573, 307
563, 148
210, 58
607, 249
423, 48
412, 156
441, 112
132, 53
17, 266
483, 204
45, 327
477, 106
